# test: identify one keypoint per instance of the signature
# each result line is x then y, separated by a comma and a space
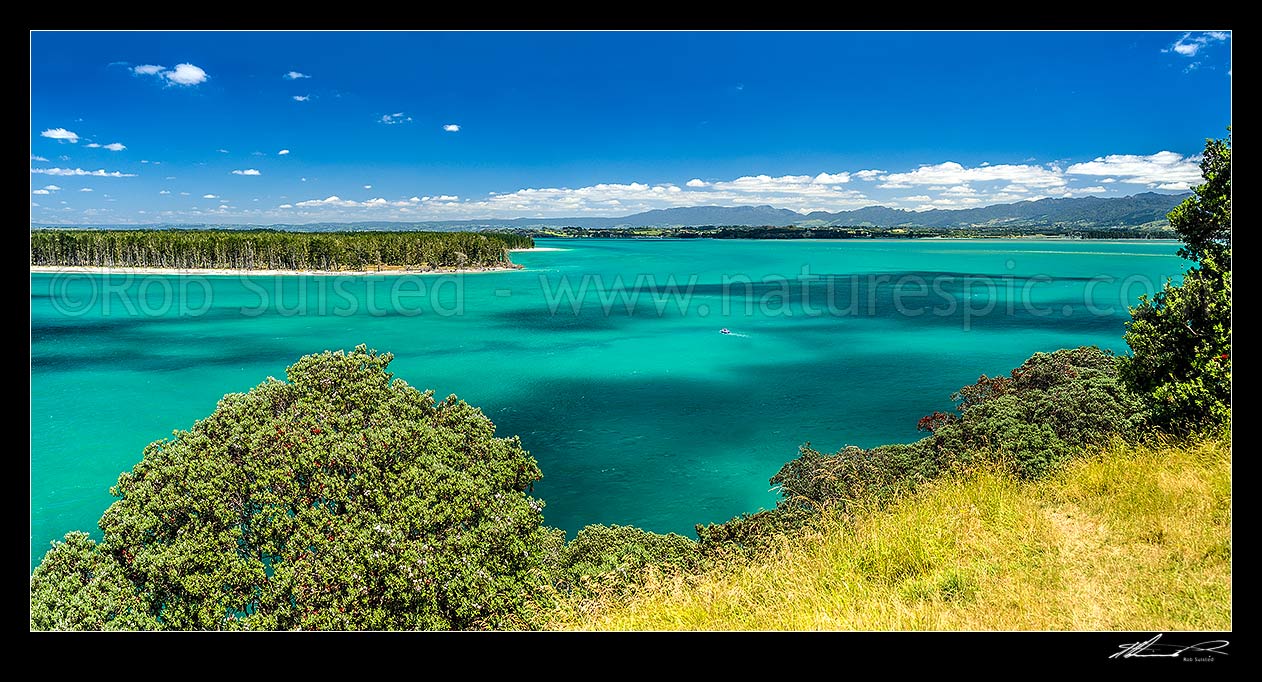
1154, 649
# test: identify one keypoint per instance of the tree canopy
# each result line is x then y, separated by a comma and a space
272, 249
338, 499
1180, 338
1203, 220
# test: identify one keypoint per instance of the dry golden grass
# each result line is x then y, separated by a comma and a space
1135, 537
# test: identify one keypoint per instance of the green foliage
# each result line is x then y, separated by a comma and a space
749, 533
1048, 409
1203, 221
271, 249
853, 474
79, 587
1180, 338
619, 555
1180, 341
339, 499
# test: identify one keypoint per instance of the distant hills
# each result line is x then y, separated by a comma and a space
1085, 212
1129, 211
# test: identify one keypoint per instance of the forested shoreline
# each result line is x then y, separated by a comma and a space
273, 250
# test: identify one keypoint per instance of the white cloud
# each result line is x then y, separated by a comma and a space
946, 185
395, 118
451, 128
183, 74
1109, 180
301, 98
1189, 44
210, 196
247, 171
186, 74
116, 146
61, 134
824, 191
295, 75
222, 151
100, 173
37, 158
52, 188
85, 189
952, 173
282, 152
1163, 170
40, 191
961, 202
92, 145
330, 201
831, 178
165, 191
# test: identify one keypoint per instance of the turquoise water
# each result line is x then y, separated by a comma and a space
644, 415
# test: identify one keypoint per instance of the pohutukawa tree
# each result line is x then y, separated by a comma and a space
339, 499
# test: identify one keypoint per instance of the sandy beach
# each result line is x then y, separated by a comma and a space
58, 269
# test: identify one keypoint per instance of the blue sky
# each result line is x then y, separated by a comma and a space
298, 127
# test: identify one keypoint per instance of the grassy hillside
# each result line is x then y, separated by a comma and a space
1131, 538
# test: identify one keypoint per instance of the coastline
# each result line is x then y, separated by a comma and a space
99, 270
537, 248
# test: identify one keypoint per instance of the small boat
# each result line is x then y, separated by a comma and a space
725, 330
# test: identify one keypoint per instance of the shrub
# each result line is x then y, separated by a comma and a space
619, 555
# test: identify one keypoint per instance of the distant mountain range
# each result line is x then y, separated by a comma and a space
1129, 211
1086, 212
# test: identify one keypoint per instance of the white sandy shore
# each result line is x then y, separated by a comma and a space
538, 248
224, 271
